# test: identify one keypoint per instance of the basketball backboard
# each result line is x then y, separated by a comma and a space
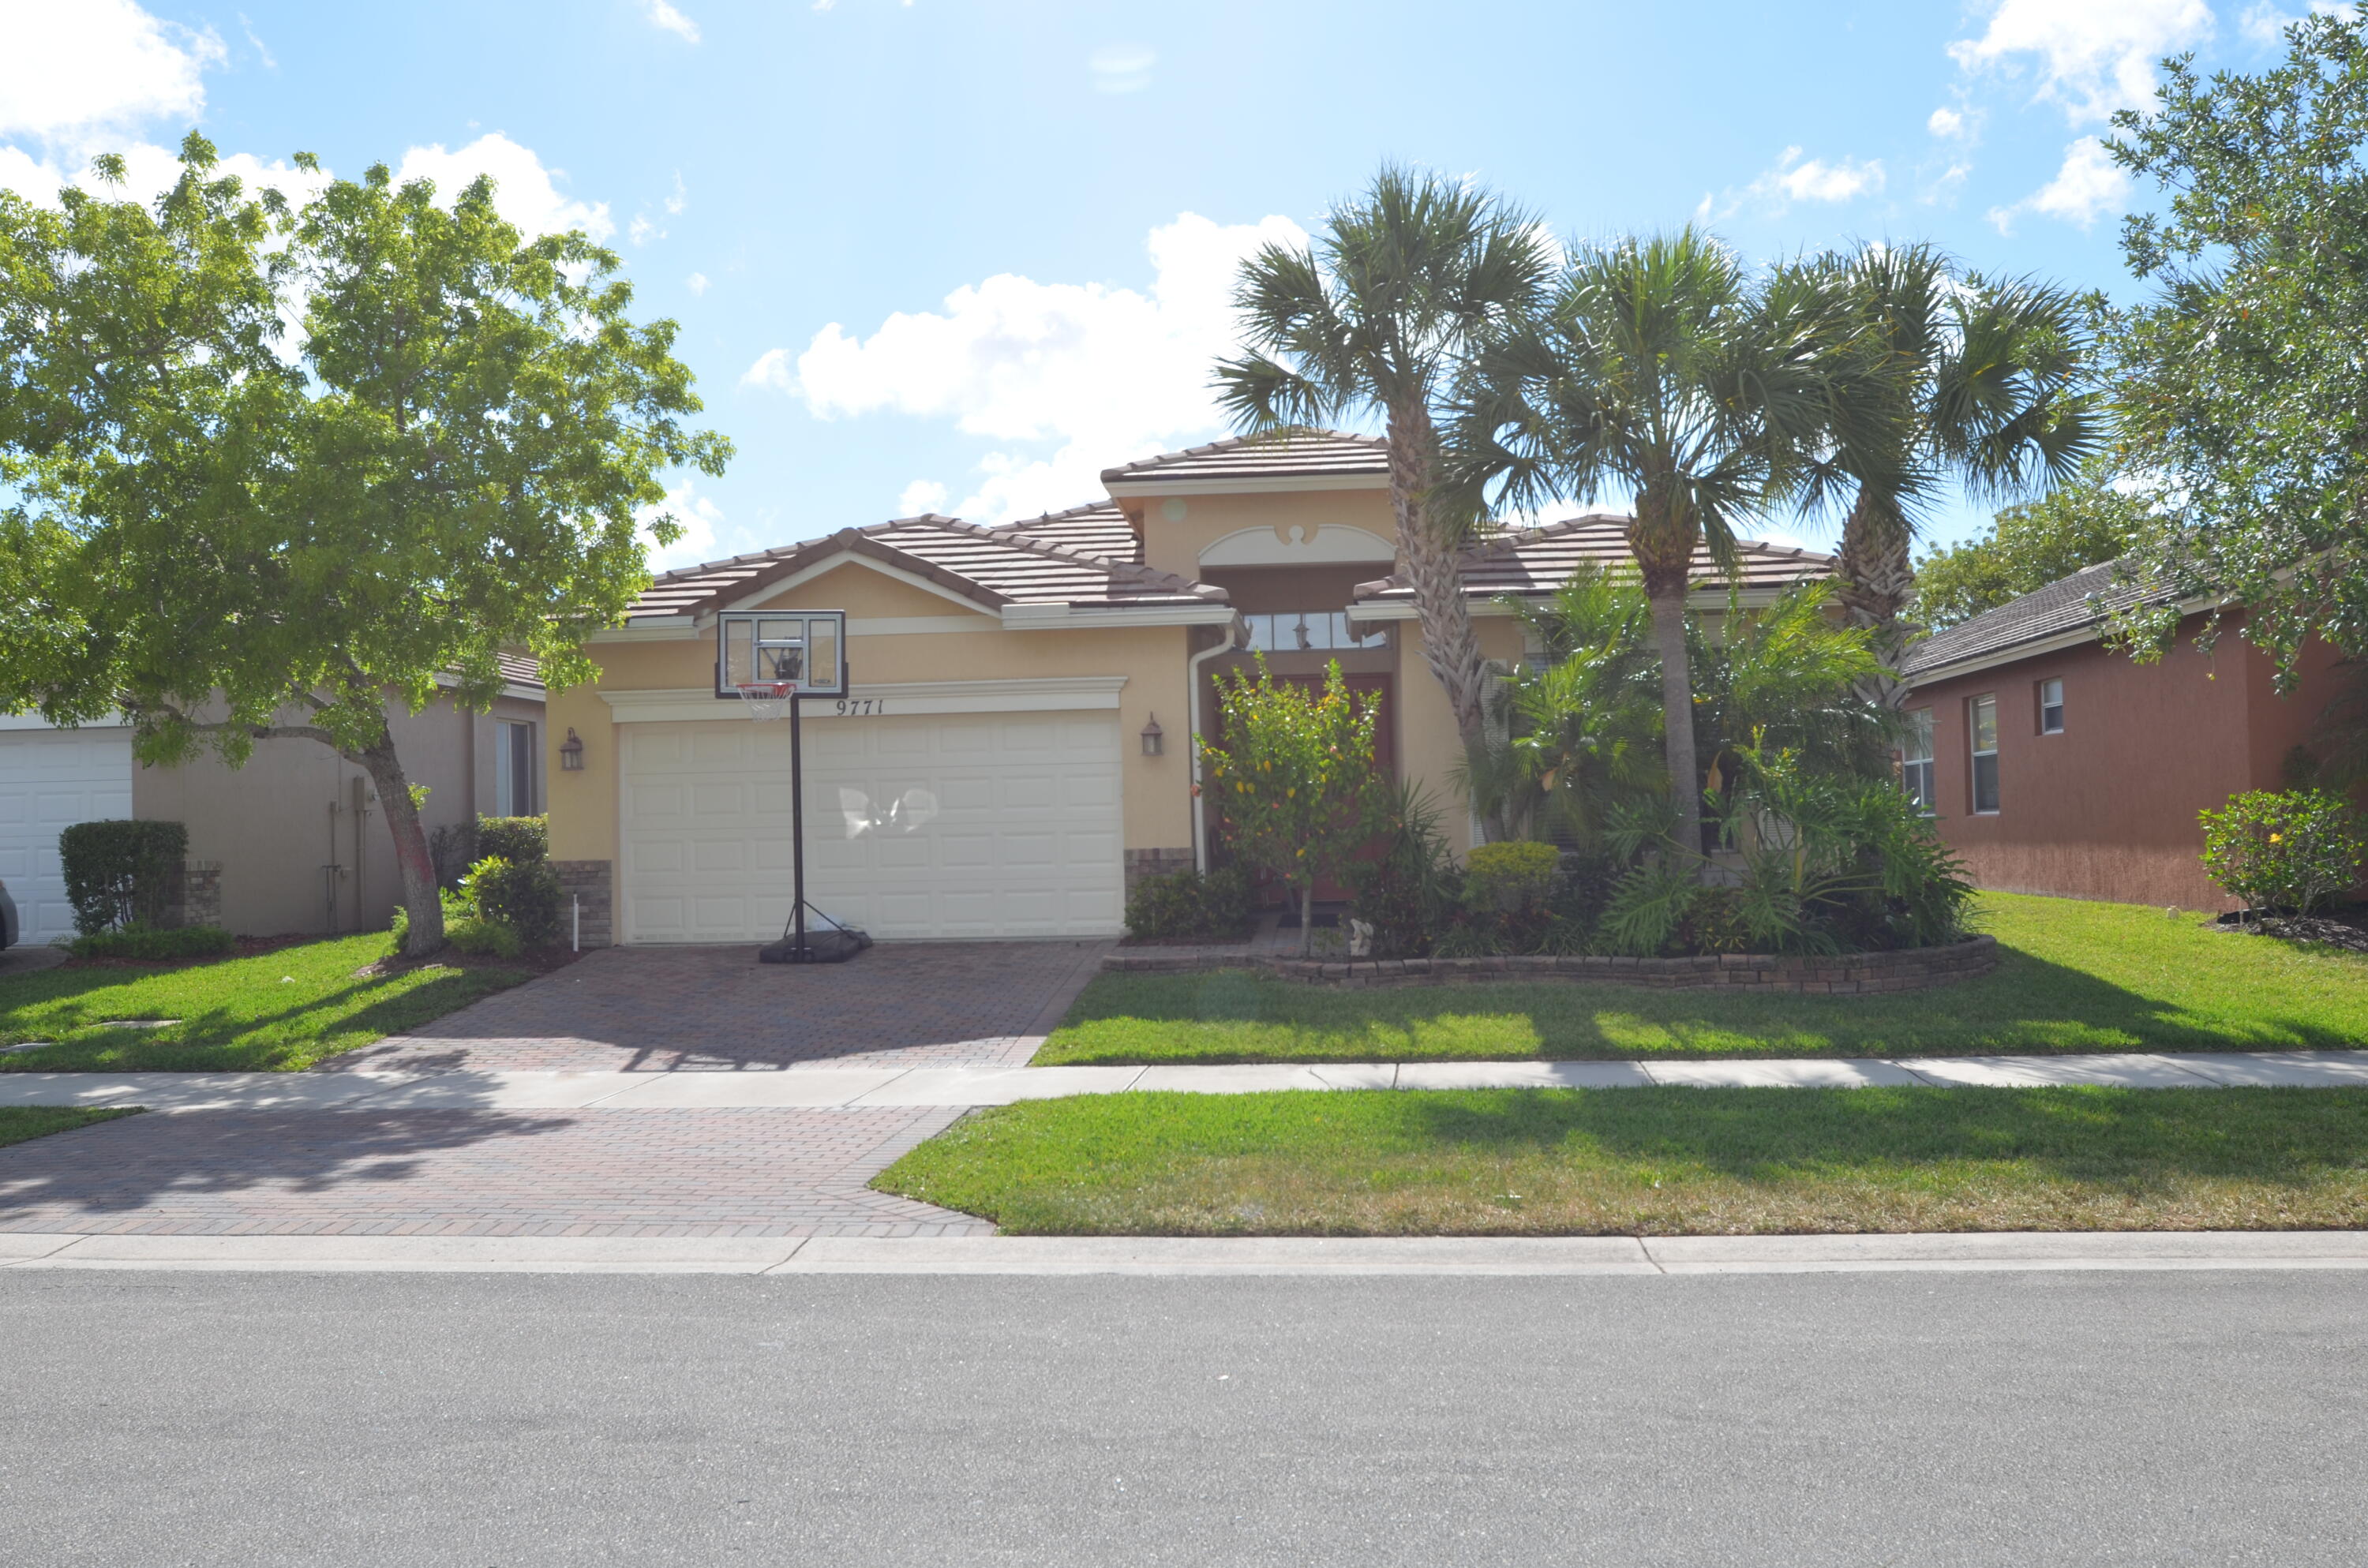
805, 647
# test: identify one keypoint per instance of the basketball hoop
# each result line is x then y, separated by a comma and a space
767, 698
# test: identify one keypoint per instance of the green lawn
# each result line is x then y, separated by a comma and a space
1654, 1162
276, 1012
19, 1123
2071, 976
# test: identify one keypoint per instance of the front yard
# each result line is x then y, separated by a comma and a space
18, 1123
2071, 976
1654, 1162
279, 1011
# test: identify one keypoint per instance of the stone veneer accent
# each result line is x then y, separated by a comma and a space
1842, 974
1142, 863
196, 898
587, 881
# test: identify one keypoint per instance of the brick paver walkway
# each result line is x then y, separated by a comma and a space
903, 1004
593, 1172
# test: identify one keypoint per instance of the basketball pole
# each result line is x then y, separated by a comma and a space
800, 953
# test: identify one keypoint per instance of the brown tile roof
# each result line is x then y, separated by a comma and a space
1540, 560
519, 669
2077, 603
1297, 454
991, 567
1099, 530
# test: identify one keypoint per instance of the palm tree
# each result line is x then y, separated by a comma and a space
1992, 375
1659, 371
1377, 316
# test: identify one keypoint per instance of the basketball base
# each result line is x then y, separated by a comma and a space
827, 945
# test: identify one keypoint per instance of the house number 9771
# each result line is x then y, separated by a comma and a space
861, 706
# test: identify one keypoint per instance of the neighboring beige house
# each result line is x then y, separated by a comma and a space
296, 833
990, 773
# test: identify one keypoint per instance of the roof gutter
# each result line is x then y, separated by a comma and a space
1225, 644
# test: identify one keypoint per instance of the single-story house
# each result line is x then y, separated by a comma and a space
1016, 747
2056, 764
294, 841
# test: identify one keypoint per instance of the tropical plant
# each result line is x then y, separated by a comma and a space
2284, 849
1787, 677
1376, 318
1989, 377
1293, 777
233, 532
2075, 527
1660, 370
1408, 888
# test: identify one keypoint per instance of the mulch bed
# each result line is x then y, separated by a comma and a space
2345, 927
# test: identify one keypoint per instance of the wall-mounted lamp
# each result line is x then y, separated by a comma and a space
571, 753
1155, 739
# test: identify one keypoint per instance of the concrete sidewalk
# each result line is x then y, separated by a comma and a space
821, 1088
1185, 1256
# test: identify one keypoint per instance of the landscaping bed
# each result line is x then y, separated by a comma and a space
18, 1123
2071, 976
1654, 1161
279, 1010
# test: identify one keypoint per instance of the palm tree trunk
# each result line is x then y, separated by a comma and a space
1875, 578
1678, 712
1449, 646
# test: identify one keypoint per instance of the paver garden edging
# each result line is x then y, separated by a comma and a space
1840, 974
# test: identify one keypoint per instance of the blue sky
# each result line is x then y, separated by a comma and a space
965, 255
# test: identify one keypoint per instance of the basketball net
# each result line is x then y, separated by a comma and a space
767, 698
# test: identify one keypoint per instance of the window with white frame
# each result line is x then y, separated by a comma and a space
513, 768
1915, 760
2051, 708
1294, 631
1981, 724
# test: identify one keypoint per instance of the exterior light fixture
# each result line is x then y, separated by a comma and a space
571, 753
1155, 739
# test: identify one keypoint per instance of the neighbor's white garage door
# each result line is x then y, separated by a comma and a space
987, 824
51, 779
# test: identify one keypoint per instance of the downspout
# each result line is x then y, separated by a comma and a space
1231, 640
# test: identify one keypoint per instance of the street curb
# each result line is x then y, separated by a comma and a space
1408, 1256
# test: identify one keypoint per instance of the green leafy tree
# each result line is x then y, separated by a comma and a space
232, 531
1660, 370
1376, 318
2082, 524
1992, 380
1293, 778
2240, 382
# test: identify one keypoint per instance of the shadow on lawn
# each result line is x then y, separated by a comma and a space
136, 1162
2099, 1135
2027, 1005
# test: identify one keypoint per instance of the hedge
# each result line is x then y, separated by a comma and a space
121, 873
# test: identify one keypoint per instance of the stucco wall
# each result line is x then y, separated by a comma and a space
2107, 809
271, 825
1174, 543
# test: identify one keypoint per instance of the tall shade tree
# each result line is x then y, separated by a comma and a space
1992, 377
2240, 382
1377, 317
1660, 370
237, 532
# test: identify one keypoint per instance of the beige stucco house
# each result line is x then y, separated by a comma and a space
990, 772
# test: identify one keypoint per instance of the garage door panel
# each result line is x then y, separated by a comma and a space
51, 779
955, 826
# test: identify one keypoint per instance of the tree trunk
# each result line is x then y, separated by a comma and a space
1876, 575
1449, 646
422, 903
1308, 919
1677, 714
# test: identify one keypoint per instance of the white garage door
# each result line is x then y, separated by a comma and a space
51, 779
987, 824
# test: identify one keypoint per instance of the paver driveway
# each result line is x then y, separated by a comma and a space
627, 1009
593, 1171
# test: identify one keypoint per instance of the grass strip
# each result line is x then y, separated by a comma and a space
18, 1123
2072, 976
276, 1012
1654, 1161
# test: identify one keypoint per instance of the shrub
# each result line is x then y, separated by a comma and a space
519, 840
1411, 890
2286, 849
464, 930
452, 846
120, 873
1509, 878
522, 895
154, 943
1186, 903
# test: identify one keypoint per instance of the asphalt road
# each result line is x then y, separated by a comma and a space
1858, 1420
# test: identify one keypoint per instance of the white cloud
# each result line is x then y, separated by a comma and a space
662, 15
695, 283
921, 496
1097, 373
705, 535
2266, 25
2088, 186
641, 230
1796, 178
148, 172
262, 51
523, 189
1946, 122
73, 73
680, 198
1942, 189
2093, 56
1120, 68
